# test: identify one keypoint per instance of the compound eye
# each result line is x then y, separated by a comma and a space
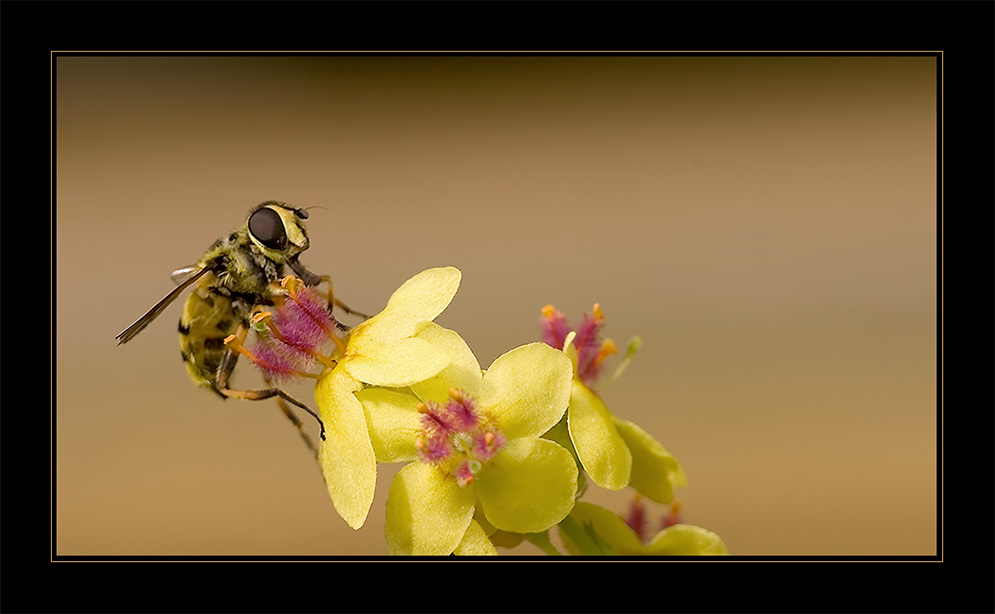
267, 227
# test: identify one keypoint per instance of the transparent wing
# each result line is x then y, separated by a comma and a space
159, 307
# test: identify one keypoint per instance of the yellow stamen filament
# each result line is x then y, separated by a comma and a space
338, 342
290, 283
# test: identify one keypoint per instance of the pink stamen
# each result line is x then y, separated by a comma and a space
674, 517
554, 327
463, 474
487, 444
636, 518
275, 364
460, 413
436, 448
307, 308
433, 418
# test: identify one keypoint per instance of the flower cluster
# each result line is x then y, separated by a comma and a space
493, 456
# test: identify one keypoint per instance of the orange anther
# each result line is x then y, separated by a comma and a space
607, 349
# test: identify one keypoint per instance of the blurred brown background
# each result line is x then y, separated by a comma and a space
766, 225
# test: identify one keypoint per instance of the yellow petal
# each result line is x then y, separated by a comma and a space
426, 513
462, 372
475, 542
528, 487
421, 298
599, 446
527, 389
346, 455
396, 364
428, 293
394, 423
655, 472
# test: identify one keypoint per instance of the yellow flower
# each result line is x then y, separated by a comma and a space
474, 441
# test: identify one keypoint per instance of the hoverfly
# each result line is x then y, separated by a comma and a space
238, 273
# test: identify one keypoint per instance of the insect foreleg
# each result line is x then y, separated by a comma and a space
310, 279
336, 302
297, 423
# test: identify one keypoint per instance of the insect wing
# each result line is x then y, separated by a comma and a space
159, 307
182, 275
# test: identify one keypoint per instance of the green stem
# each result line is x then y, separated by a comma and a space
542, 541
585, 539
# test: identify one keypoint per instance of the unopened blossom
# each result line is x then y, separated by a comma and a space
592, 529
615, 453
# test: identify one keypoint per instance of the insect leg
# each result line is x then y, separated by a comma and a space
225, 371
336, 302
297, 423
